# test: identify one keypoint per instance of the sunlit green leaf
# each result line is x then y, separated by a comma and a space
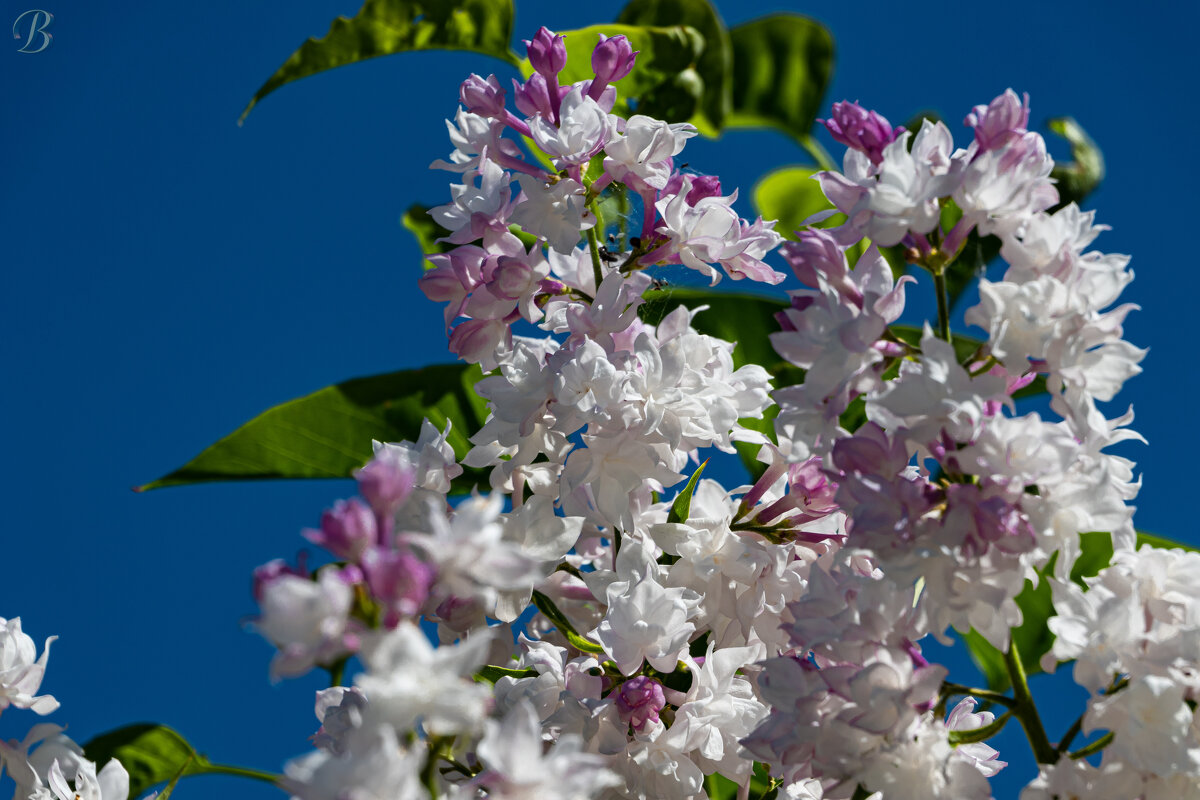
791, 195
1163, 543
426, 231
550, 611
715, 62
386, 27
663, 77
681, 509
1078, 178
328, 434
781, 67
150, 753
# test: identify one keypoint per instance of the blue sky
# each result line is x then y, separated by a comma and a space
168, 275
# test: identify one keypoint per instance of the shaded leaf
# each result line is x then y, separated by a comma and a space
714, 64
1078, 178
550, 611
328, 434
664, 78
386, 27
150, 753
781, 67
681, 509
791, 195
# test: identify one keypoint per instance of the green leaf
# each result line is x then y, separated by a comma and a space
1163, 543
550, 611
714, 64
718, 787
791, 195
150, 753
1033, 636
426, 230
328, 434
491, 674
663, 80
681, 509
781, 67
1096, 552
385, 27
1076, 179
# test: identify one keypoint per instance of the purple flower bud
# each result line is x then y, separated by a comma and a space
703, 186
347, 529
547, 53
611, 60
533, 97
808, 480
816, 255
860, 129
639, 701
1001, 120
483, 97
398, 580
275, 569
385, 482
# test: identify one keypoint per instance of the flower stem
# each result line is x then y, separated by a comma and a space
1025, 710
950, 689
819, 153
1093, 748
594, 248
943, 305
240, 772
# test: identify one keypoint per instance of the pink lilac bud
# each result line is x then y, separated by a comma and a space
816, 255
611, 60
702, 186
398, 580
860, 129
547, 53
533, 97
483, 97
275, 569
347, 530
1000, 121
639, 701
386, 482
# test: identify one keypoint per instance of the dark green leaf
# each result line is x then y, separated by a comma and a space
550, 611
1076, 179
386, 27
681, 509
328, 434
718, 787
1163, 543
426, 230
1033, 636
791, 195
781, 66
150, 753
492, 674
664, 74
714, 63
977, 252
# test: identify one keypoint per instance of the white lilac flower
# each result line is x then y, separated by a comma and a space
517, 768
647, 622
307, 620
1151, 724
554, 212
583, 129
477, 209
645, 149
409, 682
376, 768
21, 670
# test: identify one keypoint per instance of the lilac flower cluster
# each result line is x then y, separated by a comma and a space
777, 622
46, 764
